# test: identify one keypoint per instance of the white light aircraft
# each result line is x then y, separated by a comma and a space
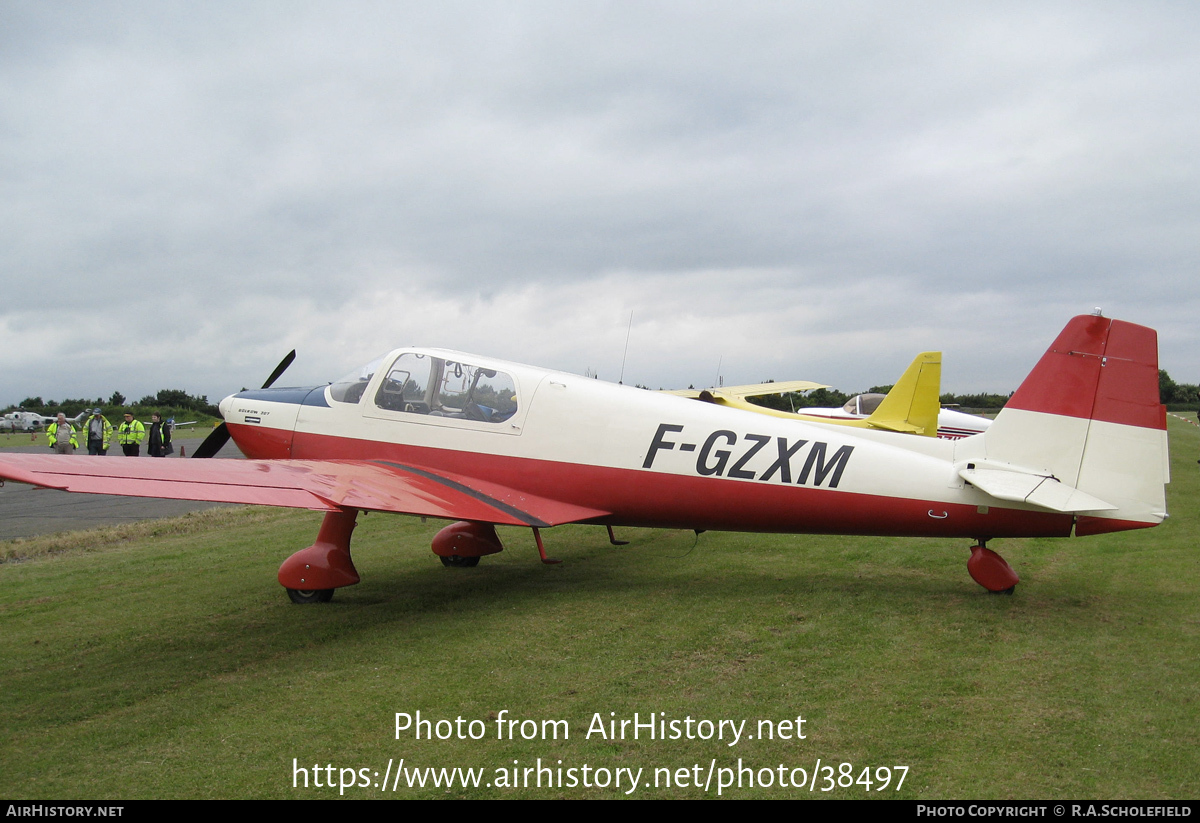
951, 424
1080, 448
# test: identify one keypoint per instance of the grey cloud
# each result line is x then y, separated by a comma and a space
936, 175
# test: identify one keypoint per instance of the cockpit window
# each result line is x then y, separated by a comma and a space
477, 393
349, 389
421, 384
406, 386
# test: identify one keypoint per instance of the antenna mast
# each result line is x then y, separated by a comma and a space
624, 355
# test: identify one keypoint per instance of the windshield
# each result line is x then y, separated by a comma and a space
349, 389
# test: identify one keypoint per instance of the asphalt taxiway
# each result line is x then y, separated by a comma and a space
26, 511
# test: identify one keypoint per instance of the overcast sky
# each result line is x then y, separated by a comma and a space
779, 191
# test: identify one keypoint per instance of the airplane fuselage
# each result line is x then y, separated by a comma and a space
643, 458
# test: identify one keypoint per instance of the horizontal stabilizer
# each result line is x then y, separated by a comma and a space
1036, 489
897, 426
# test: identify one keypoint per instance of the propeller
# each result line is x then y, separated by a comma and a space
220, 435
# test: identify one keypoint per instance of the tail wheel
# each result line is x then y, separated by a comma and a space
991, 571
303, 596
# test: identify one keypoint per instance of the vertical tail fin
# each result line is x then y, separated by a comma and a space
1089, 416
914, 402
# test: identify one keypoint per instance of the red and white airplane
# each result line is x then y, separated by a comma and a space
1081, 447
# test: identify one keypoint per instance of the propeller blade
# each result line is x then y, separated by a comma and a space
280, 369
220, 435
214, 442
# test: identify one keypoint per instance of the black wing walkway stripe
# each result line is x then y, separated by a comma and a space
525, 517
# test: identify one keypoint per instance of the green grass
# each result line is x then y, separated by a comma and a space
163, 660
13, 439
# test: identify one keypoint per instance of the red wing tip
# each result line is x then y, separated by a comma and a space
15, 475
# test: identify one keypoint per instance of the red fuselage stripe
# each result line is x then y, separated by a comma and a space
654, 499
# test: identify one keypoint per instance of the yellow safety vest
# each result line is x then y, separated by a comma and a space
130, 433
106, 430
52, 434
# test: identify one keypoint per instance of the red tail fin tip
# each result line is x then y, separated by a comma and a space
1098, 369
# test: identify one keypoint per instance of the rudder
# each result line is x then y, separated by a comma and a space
1089, 416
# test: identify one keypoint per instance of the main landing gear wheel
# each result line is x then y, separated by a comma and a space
456, 561
303, 596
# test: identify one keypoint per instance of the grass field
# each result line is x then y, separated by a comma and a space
162, 660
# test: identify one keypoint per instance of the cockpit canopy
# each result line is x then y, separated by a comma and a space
864, 404
420, 383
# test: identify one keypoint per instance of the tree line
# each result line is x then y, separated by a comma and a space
169, 402
1177, 396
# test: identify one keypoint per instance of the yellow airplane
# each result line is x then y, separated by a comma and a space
912, 406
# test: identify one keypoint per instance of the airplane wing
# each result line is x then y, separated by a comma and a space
321, 485
754, 390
